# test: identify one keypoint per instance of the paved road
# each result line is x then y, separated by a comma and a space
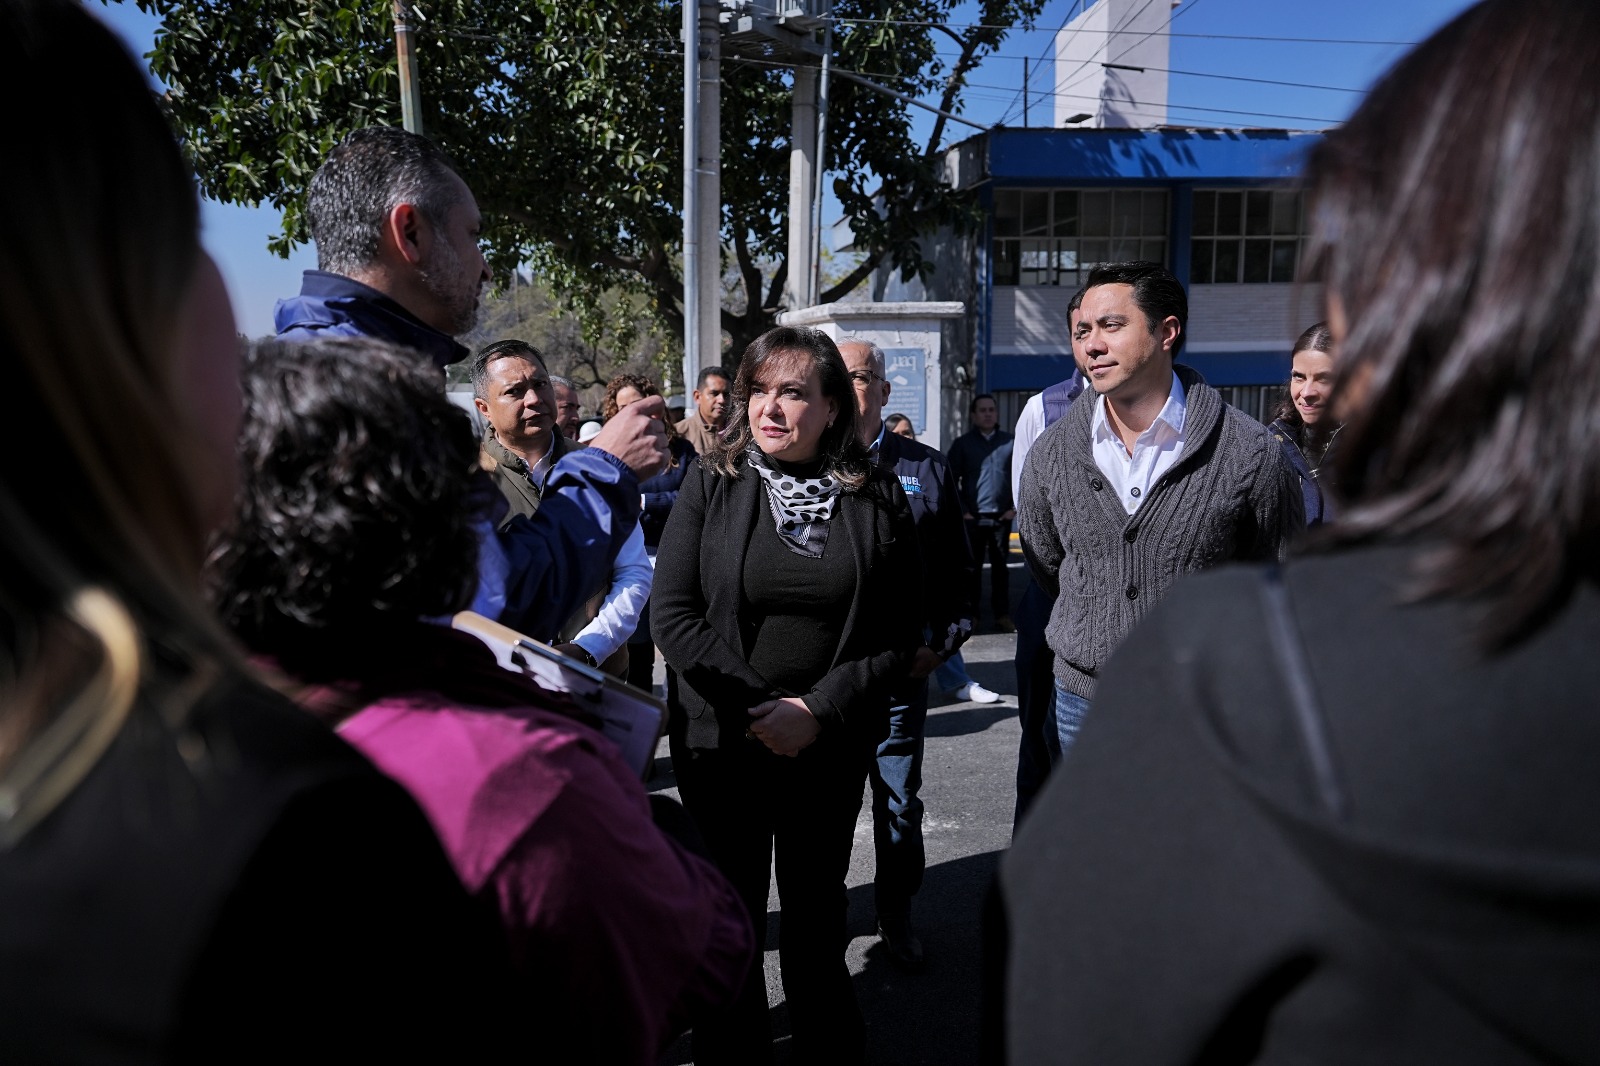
969, 788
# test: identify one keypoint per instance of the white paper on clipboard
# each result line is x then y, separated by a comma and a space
631, 718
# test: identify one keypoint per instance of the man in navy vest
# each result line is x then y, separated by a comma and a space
946, 564
1035, 663
396, 230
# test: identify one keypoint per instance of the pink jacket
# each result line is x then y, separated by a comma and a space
622, 934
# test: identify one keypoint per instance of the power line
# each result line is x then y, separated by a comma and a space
1171, 106
1062, 81
1016, 97
1149, 33
1258, 81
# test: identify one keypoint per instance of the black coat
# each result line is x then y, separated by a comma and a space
704, 630
1186, 890
947, 568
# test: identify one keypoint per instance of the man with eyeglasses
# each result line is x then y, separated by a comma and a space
946, 562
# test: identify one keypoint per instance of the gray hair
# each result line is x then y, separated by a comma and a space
874, 353
564, 381
367, 175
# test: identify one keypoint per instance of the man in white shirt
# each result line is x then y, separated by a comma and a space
1037, 747
1155, 478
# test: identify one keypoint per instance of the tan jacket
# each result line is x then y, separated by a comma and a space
696, 432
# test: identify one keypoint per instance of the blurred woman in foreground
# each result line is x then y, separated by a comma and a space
1305, 425
1345, 811
191, 868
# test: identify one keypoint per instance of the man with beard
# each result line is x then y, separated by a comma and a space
396, 230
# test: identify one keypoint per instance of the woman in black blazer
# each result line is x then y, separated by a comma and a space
780, 603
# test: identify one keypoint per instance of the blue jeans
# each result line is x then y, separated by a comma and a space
951, 674
1070, 709
896, 808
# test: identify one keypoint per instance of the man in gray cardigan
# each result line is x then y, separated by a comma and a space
1153, 479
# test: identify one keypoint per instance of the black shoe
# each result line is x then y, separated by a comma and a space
902, 944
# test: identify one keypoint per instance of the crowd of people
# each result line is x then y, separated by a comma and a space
259, 795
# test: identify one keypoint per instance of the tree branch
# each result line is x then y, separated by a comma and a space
862, 271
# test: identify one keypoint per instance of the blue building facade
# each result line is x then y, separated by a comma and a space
1219, 207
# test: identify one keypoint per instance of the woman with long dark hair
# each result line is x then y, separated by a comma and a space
1305, 424
192, 868
1343, 810
780, 603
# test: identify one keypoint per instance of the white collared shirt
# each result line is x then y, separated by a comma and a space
1154, 451
539, 472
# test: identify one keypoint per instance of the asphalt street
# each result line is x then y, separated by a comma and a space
928, 1018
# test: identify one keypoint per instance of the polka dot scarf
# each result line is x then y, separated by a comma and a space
801, 506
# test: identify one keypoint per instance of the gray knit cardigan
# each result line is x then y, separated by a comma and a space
1231, 495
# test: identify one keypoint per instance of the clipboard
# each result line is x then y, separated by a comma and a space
630, 718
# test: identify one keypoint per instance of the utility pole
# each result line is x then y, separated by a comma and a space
702, 185
802, 183
786, 31
406, 61
822, 165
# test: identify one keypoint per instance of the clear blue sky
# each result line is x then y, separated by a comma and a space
237, 236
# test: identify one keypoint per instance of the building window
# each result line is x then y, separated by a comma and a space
1056, 236
1246, 235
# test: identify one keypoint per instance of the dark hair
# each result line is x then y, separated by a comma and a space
710, 372
638, 382
1156, 290
895, 419
1456, 211
360, 497
491, 353
972, 408
368, 174
1076, 301
1317, 338
844, 457
645, 387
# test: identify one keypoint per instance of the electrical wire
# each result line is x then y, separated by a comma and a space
1150, 33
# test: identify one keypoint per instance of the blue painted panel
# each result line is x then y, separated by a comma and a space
1240, 368
908, 384
1005, 373
1060, 156
1032, 372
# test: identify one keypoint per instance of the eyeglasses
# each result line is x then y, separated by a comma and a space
862, 379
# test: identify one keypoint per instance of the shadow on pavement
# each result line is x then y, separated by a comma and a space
928, 1018
973, 719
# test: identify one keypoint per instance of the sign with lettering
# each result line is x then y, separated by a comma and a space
908, 385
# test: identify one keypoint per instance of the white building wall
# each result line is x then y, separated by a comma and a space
1130, 33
